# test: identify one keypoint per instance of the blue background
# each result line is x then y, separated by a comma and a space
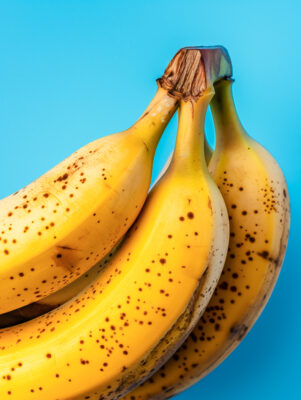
72, 71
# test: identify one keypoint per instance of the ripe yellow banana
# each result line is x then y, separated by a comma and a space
148, 297
66, 293
256, 197
59, 226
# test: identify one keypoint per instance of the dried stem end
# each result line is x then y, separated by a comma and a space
194, 70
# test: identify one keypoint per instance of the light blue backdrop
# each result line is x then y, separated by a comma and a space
72, 71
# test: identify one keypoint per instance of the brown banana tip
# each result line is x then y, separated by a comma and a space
195, 69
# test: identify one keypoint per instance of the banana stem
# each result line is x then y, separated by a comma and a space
154, 120
189, 76
228, 127
189, 149
200, 67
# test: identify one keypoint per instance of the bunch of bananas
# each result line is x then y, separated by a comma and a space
110, 290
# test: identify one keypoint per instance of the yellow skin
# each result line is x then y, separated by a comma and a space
131, 318
256, 197
59, 226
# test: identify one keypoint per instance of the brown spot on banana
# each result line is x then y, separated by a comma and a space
239, 331
210, 204
62, 178
67, 248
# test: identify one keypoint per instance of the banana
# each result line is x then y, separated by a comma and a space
61, 296
256, 197
129, 320
59, 226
